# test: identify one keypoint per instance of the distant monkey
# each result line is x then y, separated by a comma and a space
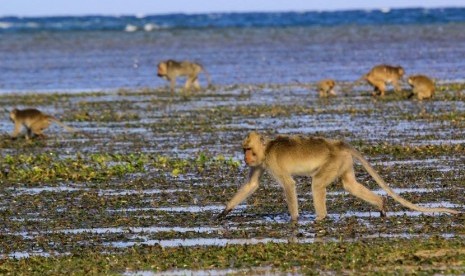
325, 88
323, 159
381, 75
422, 86
34, 121
170, 69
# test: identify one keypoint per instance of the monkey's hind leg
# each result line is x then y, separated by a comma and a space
38, 127
188, 84
29, 133
351, 185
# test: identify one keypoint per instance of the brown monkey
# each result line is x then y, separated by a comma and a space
422, 86
325, 88
170, 69
323, 159
381, 75
34, 121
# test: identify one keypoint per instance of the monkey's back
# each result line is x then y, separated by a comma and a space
384, 71
32, 116
422, 85
300, 154
422, 80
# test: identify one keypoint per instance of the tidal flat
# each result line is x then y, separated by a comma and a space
139, 191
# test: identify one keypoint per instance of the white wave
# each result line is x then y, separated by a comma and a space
130, 28
385, 10
150, 27
5, 25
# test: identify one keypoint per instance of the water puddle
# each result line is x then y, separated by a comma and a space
250, 241
38, 190
119, 230
177, 209
111, 192
204, 242
22, 255
211, 272
101, 192
144, 230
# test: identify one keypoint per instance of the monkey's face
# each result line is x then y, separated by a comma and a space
13, 115
251, 158
161, 72
401, 71
254, 149
410, 81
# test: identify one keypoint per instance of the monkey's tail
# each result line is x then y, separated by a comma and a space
358, 81
67, 128
393, 194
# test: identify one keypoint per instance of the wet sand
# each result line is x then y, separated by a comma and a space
157, 169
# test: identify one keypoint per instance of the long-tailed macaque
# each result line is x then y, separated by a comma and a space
383, 74
170, 69
422, 86
325, 88
323, 159
34, 121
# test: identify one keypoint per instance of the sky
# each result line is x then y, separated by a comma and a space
149, 7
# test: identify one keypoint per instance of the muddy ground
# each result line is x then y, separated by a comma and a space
152, 170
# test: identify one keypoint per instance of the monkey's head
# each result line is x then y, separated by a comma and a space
13, 114
411, 80
162, 69
254, 149
331, 83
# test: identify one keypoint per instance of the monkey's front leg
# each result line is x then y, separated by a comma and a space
288, 185
172, 85
16, 131
245, 191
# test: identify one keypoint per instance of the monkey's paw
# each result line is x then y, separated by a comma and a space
222, 215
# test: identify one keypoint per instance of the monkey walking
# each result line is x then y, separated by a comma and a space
323, 159
171, 69
34, 121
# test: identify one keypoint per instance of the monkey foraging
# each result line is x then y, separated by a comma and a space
171, 69
34, 121
422, 86
325, 88
380, 75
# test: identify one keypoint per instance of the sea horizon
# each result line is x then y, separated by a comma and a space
152, 22
82, 53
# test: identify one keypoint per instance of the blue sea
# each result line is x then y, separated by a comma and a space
90, 53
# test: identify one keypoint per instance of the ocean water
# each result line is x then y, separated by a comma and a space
102, 52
